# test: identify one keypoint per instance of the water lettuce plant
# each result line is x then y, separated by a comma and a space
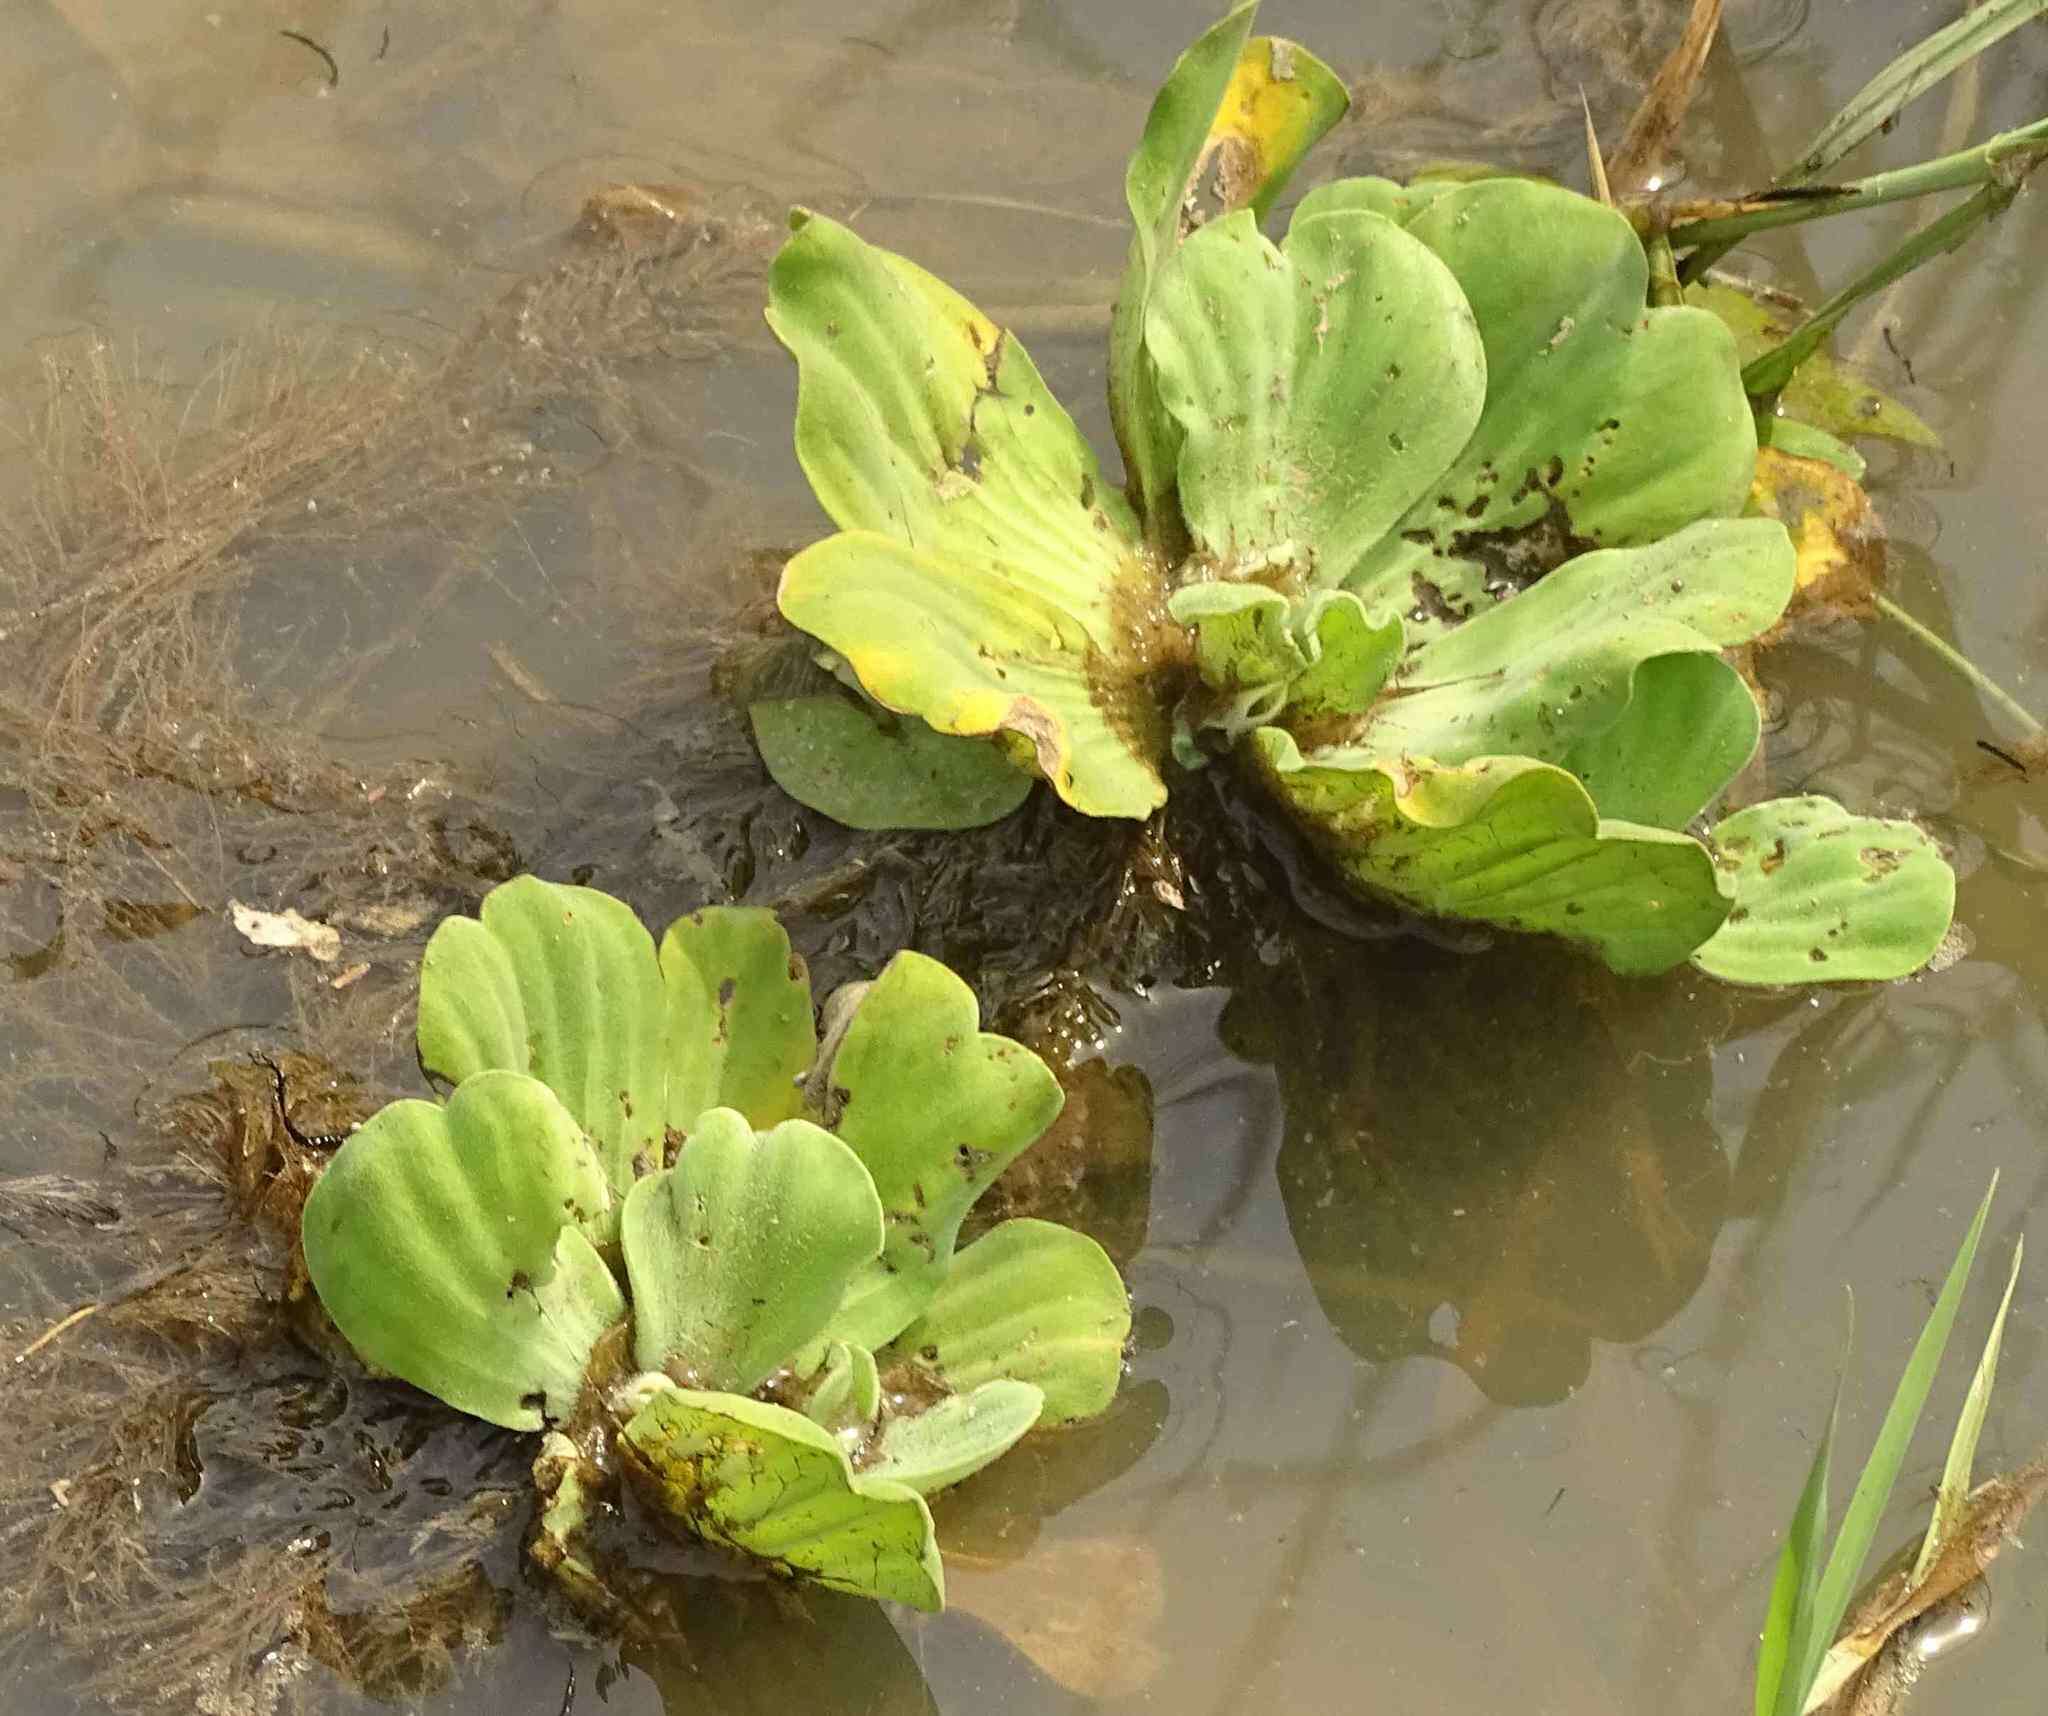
657, 1219
1434, 531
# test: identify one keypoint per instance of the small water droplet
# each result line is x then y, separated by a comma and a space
1949, 1626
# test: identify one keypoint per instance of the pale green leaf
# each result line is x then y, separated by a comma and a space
1557, 665
1033, 1302
449, 1246
1607, 424
845, 1396
1243, 633
1320, 390
1226, 130
740, 1253
739, 1025
1503, 840
559, 982
1396, 202
954, 1438
935, 1108
1825, 896
978, 516
1350, 658
971, 654
1690, 728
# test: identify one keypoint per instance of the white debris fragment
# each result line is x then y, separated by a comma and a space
286, 929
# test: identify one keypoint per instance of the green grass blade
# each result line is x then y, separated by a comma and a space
1881, 1470
1908, 77
1716, 229
1951, 1499
1765, 375
1912, 74
1791, 1612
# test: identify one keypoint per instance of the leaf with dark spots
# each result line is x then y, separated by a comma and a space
1015, 589
767, 1482
1637, 419
740, 1030
937, 1109
1514, 557
425, 1215
1802, 875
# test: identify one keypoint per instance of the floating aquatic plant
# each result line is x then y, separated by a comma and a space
657, 1218
1440, 535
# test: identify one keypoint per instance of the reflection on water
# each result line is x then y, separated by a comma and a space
1498, 1161
1486, 1304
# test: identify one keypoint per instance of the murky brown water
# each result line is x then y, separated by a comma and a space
1487, 1306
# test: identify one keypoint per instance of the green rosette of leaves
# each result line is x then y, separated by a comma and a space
988, 579
1492, 686
1434, 526
647, 1153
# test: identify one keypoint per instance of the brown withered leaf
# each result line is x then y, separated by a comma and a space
1653, 130
639, 216
1835, 530
1996, 1509
142, 920
270, 1123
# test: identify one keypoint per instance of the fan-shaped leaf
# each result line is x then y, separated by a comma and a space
1557, 665
1690, 728
978, 515
1319, 390
739, 1023
1607, 424
954, 1438
1226, 130
559, 982
972, 654
768, 1482
448, 1245
1504, 840
846, 1395
1244, 636
739, 1253
1350, 658
1825, 896
1033, 1302
936, 1108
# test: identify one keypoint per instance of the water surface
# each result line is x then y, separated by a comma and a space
1487, 1306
